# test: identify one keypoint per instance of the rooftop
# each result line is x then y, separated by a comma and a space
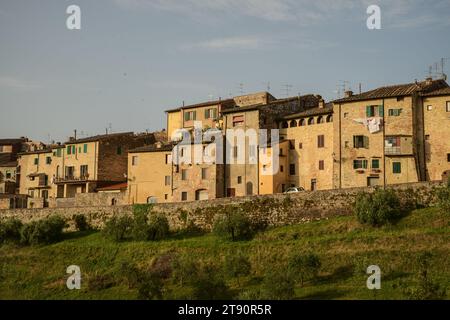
153, 148
202, 104
399, 90
12, 141
311, 112
100, 137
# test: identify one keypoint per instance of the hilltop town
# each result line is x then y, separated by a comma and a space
389, 135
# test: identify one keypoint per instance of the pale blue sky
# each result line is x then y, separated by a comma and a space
133, 59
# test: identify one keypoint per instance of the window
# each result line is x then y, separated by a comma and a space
321, 165
396, 167
291, 145
394, 112
292, 169
320, 119
119, 150
359, 164
448, 157
300, 145
293, 124
74, 150
375, 163
184, 196
427, 137
239, 179
85, 148
281, 169
235, 151
400, 98
69, 150
8, 175
183, 174
134, 161
360, 142
345, 114
302, 122
310, 121
281, 152
210, 113
167, 180
448, 106
58, 153
191, 115
36, 161
79, 149
392, 142
321, 141
330, 118
204, 173
84, 171
166, 196
252, 151
372, 111
429, 107
168, 158
238, 120
48, 160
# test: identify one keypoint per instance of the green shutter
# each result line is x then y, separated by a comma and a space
69, 150
85, 148
186, 116
366, 142
397, 167
375, 164
74, 150
368, 113
381, 111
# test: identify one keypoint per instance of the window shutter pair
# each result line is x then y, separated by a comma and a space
207, 113
381, 111
369, 111
366, 142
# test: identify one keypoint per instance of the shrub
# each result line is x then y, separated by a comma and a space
131, 274
118, 228
183, 267
278, 285
81, 223
237, 266
426, 288
158, 227
443, 197
10, 230
233, 226
148, 283
99, 282
377, 209
208, 284
304, 267
43, 231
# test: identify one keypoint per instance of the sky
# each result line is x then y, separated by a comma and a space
133, 59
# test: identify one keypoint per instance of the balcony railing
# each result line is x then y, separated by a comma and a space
72, 178
392, 150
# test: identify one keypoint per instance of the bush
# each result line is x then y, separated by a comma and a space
237, 266
377, 209
118, 228
443, 197
148, 283
426, 288
183, 267
10, 230
233, 226
43, 231
278, 285
81, 223
158, 227
304, 267
99, 282
208, 284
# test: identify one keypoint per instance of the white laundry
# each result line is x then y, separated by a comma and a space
372, 124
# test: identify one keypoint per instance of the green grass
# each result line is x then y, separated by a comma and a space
341, 243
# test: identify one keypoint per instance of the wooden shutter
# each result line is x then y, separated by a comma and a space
186, 116
366, 142
368, 113
207, 114
381, 111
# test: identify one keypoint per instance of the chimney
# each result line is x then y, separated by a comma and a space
75, 134
321, 103
348, 94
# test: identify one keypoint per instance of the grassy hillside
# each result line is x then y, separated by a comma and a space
343, 245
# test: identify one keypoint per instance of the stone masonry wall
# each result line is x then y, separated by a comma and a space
274, 210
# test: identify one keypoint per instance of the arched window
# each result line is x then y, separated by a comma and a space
330, 118
113, 201
320, 119
293, 124
152, 200
284, 125
311, 121
302, 122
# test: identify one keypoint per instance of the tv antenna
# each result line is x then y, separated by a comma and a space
341, 87
241, 88
267, 85
287, 88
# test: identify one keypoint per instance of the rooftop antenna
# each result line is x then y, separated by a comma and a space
444, 76
288, 88
360, 86
241, 88
210, 96
342, 87
267, 84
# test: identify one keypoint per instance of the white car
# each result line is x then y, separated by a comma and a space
294, 190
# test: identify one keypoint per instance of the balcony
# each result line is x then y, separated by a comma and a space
72, 179
392, 150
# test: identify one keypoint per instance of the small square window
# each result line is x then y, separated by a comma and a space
239, 180
321, 165
375, 164
204, 173
429, 107
281, 169
166, 196
397, 167
184, 196
48, 160
300, 145
448, 106
448, 157
134, 160
167, 180
184, 174
36, 161
119, 150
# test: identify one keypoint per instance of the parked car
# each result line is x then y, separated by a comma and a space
294, 190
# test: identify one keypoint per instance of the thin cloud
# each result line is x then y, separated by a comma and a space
229, 43
15, 83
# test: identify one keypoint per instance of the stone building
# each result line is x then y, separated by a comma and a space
380, 138
77, 167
